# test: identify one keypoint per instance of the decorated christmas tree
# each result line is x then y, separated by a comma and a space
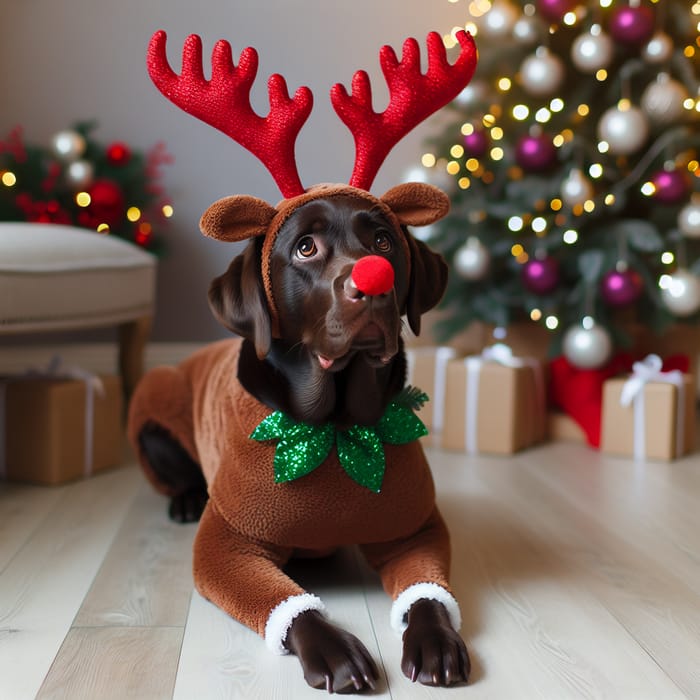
572, 166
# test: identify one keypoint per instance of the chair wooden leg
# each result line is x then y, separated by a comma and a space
133, 336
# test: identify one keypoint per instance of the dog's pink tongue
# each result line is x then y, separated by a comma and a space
325, 362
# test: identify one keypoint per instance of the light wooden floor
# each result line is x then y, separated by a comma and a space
578, 577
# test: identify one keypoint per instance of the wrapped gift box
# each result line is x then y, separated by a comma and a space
46, 438
664, 424
492, 407
427, 367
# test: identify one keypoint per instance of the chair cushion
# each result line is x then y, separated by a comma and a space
54, 276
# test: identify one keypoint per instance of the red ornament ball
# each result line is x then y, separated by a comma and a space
535, 153
373, 275
107, 202
476, 144
118, 153
670, 186
632, 25
554, 10
621, 287
540, 275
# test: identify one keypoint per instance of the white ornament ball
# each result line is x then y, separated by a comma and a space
663, 100
80, 173
526, 31
576, 188
587, 347
472, 260
68, 145
625, 130
689, 220
477, 91
681, 293
659, 49
592, 51
499, 20
542, 73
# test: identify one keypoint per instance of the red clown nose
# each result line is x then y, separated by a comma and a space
373, 275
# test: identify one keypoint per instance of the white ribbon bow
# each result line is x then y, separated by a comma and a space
501, 354
649, 370
55, 370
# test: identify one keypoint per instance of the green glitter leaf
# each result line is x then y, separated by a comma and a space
400, 425
301, 450
274, 427
361, 455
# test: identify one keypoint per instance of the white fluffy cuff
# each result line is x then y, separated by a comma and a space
281, 617
432, 591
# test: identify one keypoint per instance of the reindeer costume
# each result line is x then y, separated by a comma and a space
266, 502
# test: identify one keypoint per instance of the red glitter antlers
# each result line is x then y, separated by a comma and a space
224, 101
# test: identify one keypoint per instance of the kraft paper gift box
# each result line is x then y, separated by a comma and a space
50, 433
426, 370
493, 406
650, 415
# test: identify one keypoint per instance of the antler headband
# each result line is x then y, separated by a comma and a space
224, 101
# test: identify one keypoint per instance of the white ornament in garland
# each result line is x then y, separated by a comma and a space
68, 145
80, 173
663, 100
576, 188
659, 49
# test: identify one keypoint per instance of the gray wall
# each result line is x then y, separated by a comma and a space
69, 60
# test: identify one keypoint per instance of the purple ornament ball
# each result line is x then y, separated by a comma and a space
540, 275
476, 144
632, 25
554, 10
535, 153
670, 186
621, 287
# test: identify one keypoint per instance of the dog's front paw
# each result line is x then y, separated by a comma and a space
433, 653
330, 657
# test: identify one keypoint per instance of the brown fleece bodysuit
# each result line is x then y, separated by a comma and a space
251, 526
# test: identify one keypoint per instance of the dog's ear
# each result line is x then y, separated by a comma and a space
236, 218
237, 299
427, 282
417, 203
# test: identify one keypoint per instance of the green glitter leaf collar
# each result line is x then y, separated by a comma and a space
302, 447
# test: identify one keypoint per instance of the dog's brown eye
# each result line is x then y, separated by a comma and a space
382, 243
306, 248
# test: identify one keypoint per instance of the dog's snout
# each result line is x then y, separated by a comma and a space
371, 275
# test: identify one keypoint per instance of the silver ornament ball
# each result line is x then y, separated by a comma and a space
542, 73
499, 20
625, 130
689, 220
477, 91
587, 347
681, 293
663, 100
68, 145
659, 49
576, 188
526, 31
472, 260
592, 51
80, 173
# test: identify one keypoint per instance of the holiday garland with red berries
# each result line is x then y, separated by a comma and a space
573, 169
75, 180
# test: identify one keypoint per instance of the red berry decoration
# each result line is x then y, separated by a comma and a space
118, 153
670, 186
632, 25
540, 275
106, 202
373, 275
621, 287
535, 154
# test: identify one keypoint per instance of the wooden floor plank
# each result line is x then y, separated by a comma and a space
660, 612
154, 589
115, 663
46, 581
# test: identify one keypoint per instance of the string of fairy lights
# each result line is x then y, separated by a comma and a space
627, 140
